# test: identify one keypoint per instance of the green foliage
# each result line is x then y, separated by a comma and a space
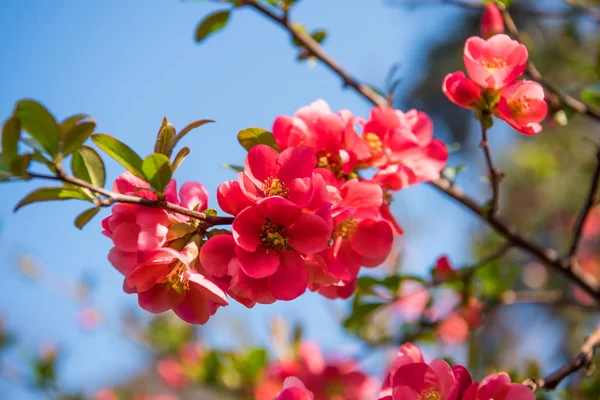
251, 137
11, 133
87, 165
120, 152
157, 171
591, 95
52, 193
179, 157
168, 334
211, 24
319, 35
192, 126
252, 364
236, 168
39, 123
68, 123
164, 138
178, 230
85, 217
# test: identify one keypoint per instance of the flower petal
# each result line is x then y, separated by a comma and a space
309, 234
257, 264
291, 278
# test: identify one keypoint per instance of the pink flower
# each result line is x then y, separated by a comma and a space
106, 394
90, 318
165, 280
492, 22
498, 387
288, 175
172, 373
413, 299
462, 91
294, 389
331, 137
403, 147
326, 379
495, 62
192, 195
523, 107
444, 269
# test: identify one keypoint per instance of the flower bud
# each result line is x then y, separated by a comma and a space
491, 21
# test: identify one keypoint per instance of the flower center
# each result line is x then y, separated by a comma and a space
519, 106
176, 279
329, 161
430, 394
345, 229
374, 143
494, 64
273, 236
274, 187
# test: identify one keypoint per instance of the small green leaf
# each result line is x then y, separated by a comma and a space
85, 217
591, 95
120, 152
165, 138
254, 362
51, 193
68, 123
87, 165
157, 171
39, 123
211, 212
211, 24
11, 133
191, 126
178, 230
250, 137
236, 168
301, 29
76, 136
181, 155
319, 35
20, 164
215, 232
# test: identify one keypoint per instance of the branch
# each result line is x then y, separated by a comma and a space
592, 199
495, 175
111, 198
535, 74
582, 360
548, 257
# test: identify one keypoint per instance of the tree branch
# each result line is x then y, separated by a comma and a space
591, 200
548, 257
581, 361
111, 198
494, 174
535, 74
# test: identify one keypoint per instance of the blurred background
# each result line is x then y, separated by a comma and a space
130, 63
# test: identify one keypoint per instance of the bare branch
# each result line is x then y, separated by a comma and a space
581, 361
494, 174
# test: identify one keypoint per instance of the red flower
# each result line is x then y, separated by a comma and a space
523, 107
294, 389
462, 91
498, 387
492, 22
496, 62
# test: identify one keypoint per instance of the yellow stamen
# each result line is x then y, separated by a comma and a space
274, 187
519, 106
177, 279
330, 161
374, 143
345, 229
273, 236
430, 394
494, 65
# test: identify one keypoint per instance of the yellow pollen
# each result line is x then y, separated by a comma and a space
519, 106
430, 394
274, 187
330, 161
374, 143
345, 229
176, 279
273, 236
494, 65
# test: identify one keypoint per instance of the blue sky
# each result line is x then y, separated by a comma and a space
129, 63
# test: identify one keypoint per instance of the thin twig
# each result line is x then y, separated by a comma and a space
581, 361
112, 198
550, 298
535, 74
548, 257
494, 174
591, 199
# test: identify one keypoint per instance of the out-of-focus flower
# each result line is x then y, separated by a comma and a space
498, 387
294, 389
492, 22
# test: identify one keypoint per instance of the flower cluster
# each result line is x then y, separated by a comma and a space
311, 375
305, 217
493, 67
162, 270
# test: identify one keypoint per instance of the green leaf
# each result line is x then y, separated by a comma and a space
76, 136
181, 155
191, 126
157, 170
250, 137
87, 165
211, 24
68, 123
299, 28
210, 211
11, 133
591, 95
51, 193
85, 217
319, 35
178, 230
165, 139
39, 123
20, 164
120, 152
254, 362
236, 168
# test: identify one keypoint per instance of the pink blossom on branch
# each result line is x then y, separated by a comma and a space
496, 62
523, 107
462, 91
498, 387
492, 22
